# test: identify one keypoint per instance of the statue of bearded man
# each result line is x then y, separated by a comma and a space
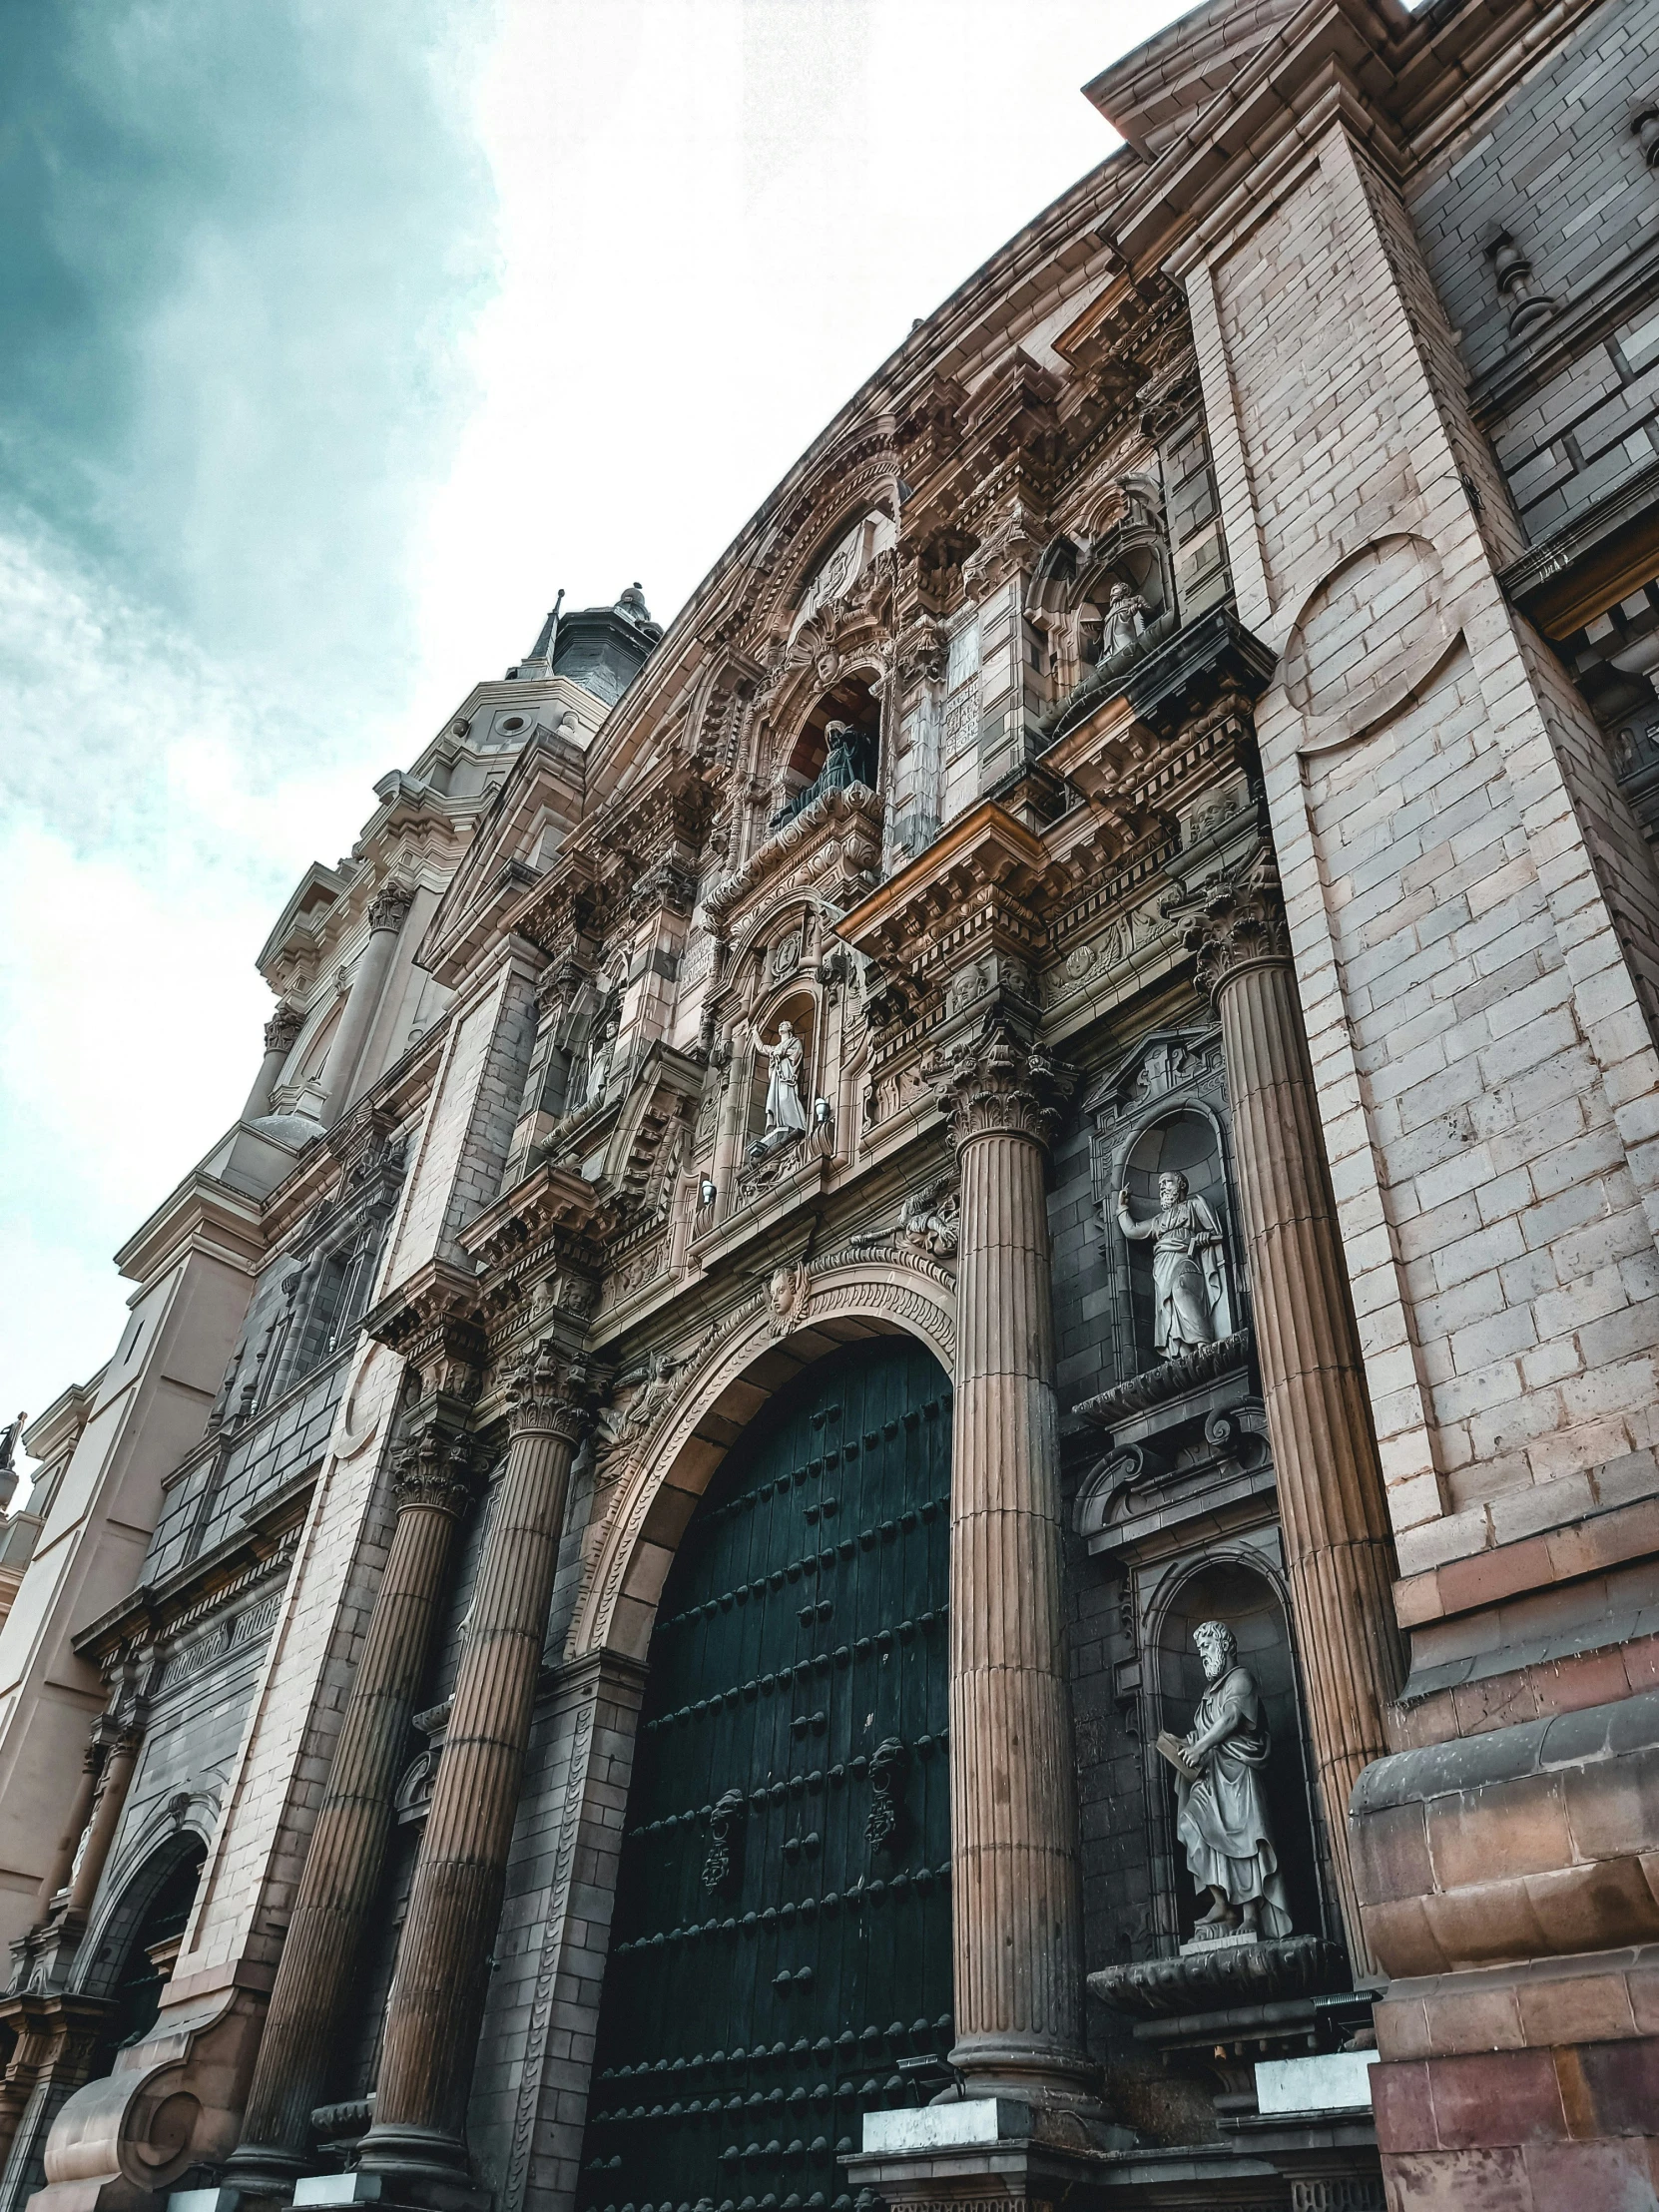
1187, 1274
1221, 1804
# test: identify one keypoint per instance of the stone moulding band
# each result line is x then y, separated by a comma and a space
1170, 1378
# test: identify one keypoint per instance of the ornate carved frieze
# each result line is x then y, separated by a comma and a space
830, 848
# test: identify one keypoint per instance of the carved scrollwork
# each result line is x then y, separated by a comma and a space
889, 1767
723, 1866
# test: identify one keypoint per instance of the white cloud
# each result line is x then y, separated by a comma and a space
713, 219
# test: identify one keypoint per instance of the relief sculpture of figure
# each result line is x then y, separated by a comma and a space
1221, 1806
785, 1112
1187, 1274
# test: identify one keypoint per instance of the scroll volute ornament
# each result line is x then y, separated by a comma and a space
999, 1081
1240, 923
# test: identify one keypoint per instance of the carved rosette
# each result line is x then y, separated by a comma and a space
435, 1471
547, 1395
283, 1027
1240, 925
998, 1082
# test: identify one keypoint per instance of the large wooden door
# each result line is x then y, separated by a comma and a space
780, 1953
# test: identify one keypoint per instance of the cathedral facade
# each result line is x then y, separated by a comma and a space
907, 1454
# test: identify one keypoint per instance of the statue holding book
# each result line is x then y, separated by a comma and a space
1220, 1804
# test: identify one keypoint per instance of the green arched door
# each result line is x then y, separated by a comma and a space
781, 1954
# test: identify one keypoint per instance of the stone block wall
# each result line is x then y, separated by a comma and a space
1559, 169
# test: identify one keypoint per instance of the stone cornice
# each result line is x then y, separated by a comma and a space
553, 1206
432, 1321
985, 865
202, 1215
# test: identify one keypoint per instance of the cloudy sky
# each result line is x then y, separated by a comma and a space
339, 336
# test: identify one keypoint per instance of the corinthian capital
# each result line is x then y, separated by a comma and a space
435, 1471
282, 1028
1240, 923
388, 907
999, 1081
548, 1395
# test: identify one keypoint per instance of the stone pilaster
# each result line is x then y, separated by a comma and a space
120, 1740
1016, 1898
438, 1994
386, 912
1330, 1497
348, 1845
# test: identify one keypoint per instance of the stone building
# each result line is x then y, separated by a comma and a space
621, 1629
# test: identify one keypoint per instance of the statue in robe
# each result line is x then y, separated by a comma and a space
786, 1115
1221, 1804
1188, 1281
1123, 626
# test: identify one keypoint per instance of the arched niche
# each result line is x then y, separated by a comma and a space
133, 1946
854, 700
1242, 1588
1186, 1141
799, 1007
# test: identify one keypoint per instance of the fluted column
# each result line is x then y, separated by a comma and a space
386, 911
75, 1825
438, 1994
280, 1032
1015, 1898
121, 1741
1331, 1507
340, 1881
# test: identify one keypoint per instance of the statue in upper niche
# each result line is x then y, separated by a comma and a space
1189, 1281
1124, 623
786, 1115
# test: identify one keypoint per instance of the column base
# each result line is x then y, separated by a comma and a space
418, 2169
261, 2173
1026, 2073
984, 2152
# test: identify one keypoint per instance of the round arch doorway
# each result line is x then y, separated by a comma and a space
780, 1954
